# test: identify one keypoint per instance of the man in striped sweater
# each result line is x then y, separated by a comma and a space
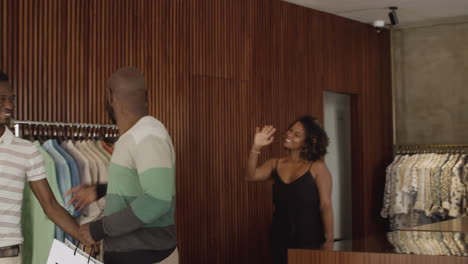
20, 161
138, 224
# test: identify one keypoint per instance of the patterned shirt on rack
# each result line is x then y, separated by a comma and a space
446, 182
457, 189
388, 188
436, 183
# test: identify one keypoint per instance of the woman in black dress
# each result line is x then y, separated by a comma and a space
303, 216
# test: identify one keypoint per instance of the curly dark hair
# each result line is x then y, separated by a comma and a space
316, 141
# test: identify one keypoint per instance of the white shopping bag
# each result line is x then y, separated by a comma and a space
60, 253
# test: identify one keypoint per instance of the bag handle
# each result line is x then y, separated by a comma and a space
84, 249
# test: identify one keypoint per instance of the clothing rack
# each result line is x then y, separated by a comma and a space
80, 129
419, 149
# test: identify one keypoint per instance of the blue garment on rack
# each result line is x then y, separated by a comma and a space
75, 175
63, 179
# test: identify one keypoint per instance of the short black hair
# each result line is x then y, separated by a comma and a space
3, 77
316, 141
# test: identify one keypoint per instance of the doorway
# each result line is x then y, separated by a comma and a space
337, 116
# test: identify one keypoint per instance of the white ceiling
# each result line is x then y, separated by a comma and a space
410, 13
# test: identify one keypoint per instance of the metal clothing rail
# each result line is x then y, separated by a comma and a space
414, 149
17, 125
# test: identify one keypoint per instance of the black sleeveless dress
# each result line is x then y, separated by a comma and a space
297, 220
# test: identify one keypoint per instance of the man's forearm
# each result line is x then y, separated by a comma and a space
63, 219
127, 220
119, 223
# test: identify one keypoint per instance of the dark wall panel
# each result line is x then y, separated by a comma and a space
215, 70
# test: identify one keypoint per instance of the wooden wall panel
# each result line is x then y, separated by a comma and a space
215, 70
376, 124
220, 38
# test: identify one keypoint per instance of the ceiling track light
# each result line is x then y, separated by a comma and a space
393, 15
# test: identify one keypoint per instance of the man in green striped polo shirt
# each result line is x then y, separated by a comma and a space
139, 221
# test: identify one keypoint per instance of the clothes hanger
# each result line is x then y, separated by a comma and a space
41, 134
99, 133
81, 134
107, 134
92, 133
95, 130
44, 133
66, 134
60, 133
74, 133
50, 132
111, 135
22, 130
35, 132
89, 134
116, 135
29, 135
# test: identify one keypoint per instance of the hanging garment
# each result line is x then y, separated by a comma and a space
426, 172
424, 187
63, 179
436, 178
72, 165
428, 243
102, 160
457, 189
62, 170
107, 147
38, 229
83, 164
103, 178
407, 188
103, 150
446, 181
410, 178
388, 187
418, 173
101, 169
398, 206
92, 162
465, 197
92, 212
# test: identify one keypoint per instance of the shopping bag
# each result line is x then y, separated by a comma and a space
60, 253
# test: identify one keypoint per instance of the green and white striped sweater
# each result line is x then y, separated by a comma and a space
140, 203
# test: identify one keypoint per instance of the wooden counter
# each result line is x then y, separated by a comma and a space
371, 252
300, 256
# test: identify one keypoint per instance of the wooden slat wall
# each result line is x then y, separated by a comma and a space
215, 70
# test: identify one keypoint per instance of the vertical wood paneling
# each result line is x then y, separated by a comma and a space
215, 70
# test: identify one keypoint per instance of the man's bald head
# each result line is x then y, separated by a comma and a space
127, 86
